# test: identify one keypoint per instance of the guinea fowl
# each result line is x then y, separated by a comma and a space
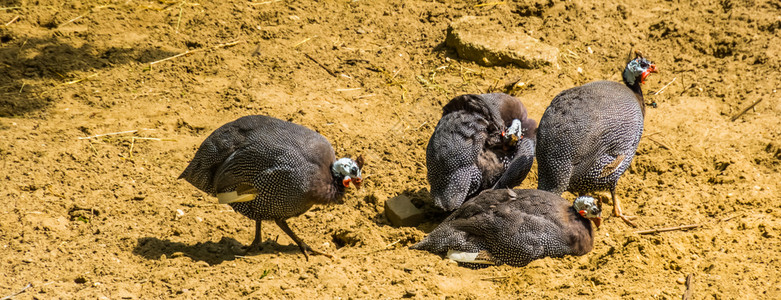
269, 169
470, 150
589, 134
514, 227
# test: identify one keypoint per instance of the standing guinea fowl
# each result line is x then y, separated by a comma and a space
470, 150
589, 134
514, 227
269, 169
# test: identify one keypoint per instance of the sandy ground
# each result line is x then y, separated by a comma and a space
106, 217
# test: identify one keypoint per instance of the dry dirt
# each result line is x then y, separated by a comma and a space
107, 218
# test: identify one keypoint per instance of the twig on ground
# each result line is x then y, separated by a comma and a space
93, 147
665, 86
12, 20
347, 90
72, 20
29, 285
687, 295
726, 219
107, 134
735, 117
321, 65
265, 2
682, 227
397, 72
179, 19
663, 145
223, 45
153, 139
495, 278
10, 7
421, 125
303, 41
79, 80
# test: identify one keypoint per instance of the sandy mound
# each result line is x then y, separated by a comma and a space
106, 217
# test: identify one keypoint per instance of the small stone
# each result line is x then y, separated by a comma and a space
401, 212
409, 294
681, 280
202, 264
125, 294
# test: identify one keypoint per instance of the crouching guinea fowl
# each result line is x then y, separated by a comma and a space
514, 227
481, 141
589, 134
269, 169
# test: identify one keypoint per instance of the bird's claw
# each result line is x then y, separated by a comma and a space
306, 249
627, 219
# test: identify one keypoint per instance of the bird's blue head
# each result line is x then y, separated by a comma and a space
587, 207
348, 170
638, 69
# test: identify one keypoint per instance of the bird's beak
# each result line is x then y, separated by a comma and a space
346, 182
651, 69
514, 139
597, 221
357, 182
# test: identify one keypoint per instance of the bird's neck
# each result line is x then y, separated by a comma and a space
326, 189
638, 94
582, 234
335, 190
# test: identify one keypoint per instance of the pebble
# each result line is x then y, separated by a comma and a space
124, 294
681, 280
401, 212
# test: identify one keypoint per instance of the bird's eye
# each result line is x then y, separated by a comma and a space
354, 170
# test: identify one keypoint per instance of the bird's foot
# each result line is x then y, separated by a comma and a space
627, 219
305, 249
255, 247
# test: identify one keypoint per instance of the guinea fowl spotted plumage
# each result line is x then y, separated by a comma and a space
514, 227
470, 150
269, 169
589, 134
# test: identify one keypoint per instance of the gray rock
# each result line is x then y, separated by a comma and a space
401, 212
484, 41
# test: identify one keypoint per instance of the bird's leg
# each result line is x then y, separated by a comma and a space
617, 209
304, 247
255, 246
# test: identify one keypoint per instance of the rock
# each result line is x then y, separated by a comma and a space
125, 294
482, 40
401, 212
40, 221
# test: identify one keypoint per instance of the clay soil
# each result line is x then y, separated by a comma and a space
106, 217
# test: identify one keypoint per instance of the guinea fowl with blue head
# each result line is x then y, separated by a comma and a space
269, 169
514, 227
588, 135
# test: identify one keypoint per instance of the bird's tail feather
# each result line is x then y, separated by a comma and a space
480, 257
